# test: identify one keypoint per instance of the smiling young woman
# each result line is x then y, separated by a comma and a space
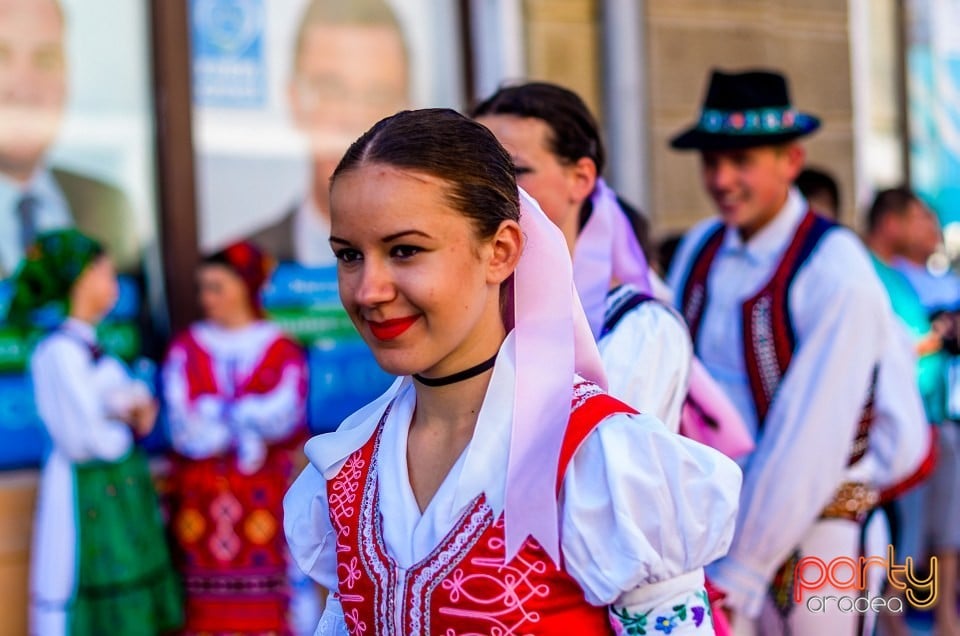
497, 456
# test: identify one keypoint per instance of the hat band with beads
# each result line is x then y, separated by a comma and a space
762, 121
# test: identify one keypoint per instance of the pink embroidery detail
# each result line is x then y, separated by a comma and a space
354, 624
345, 487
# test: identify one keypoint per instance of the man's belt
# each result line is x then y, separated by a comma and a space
852, 501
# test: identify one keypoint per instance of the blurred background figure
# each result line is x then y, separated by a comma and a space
905, 234
821, 191
235, 390
100, 559
34, 195
350, 70
897, 225
555, 144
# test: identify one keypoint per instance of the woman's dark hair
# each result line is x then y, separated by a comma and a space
443, 143
574, 131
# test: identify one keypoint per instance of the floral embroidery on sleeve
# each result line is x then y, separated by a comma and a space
683, 617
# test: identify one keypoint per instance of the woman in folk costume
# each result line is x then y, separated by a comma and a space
646, 351
235, 391
555, 144
100, 563
491, 488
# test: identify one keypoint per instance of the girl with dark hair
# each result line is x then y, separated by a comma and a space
100, 562
235, 392
555, 144
495, 487
645, 346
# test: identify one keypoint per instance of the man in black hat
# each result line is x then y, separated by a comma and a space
787, 314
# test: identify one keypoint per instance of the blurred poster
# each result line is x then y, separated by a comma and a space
933, 91
76, 149
281, 88
305, 302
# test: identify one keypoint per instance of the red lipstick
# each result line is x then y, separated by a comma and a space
390, 329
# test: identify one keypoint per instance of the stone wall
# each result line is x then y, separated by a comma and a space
563, 47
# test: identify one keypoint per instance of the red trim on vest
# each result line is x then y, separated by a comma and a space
768, 338
264, 377
583, 421
227, 525
694, 296
463, 585
918, 476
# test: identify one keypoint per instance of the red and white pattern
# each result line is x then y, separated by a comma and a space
463, 586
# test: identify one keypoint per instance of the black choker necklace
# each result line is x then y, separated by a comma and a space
457, 377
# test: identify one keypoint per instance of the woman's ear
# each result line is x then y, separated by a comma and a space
506, 246
582, 177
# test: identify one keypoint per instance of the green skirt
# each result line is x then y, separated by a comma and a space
125, 581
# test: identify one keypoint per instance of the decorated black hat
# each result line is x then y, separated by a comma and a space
742, 110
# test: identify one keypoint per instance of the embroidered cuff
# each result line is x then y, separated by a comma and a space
685, 613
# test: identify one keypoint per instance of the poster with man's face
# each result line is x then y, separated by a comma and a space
281, 89
76, 150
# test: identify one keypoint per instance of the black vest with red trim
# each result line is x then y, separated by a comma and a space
769, 338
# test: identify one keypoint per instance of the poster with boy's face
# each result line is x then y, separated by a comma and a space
76, 150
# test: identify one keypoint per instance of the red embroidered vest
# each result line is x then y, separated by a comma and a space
769, 339
228, 524
463, 586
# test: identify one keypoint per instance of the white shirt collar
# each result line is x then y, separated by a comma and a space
83, 330
484, 463
226, 343
769, 242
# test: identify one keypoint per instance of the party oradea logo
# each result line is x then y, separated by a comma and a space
854, 577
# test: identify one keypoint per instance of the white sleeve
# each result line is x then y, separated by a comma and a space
899, 437
70, 408
801, 457
647, 360
276, 413
641, 506
309, 531
198, 429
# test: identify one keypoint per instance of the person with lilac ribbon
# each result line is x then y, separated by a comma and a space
495, 486
555, 143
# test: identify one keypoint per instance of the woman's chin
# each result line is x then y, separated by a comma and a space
393, 364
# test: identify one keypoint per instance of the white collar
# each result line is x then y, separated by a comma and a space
223, 342
769, 242
485, 458
83, 330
